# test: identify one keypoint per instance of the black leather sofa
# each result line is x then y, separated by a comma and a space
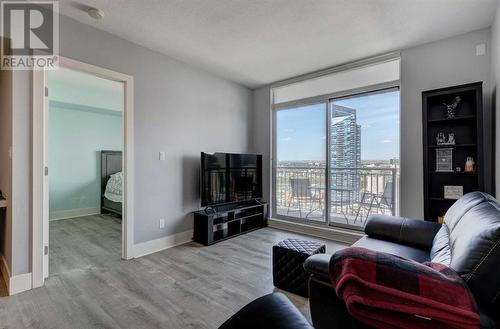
468, 242
273, 311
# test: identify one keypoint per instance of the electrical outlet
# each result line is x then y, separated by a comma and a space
161, 156
162, 223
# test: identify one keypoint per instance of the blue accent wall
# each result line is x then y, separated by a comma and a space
77, 134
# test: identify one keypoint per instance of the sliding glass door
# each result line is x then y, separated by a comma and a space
364, 157
300, 163
336, 162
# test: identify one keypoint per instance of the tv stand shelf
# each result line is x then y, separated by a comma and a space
215, 224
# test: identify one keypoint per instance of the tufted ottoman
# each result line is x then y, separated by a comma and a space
288, 264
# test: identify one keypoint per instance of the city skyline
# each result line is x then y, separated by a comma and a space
301, 130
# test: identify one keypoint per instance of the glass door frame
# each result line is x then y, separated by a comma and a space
274, 212
327, 100
331, 101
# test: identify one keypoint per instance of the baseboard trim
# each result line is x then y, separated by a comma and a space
333, 234
72, 213
150, 247
20, 283
16, 283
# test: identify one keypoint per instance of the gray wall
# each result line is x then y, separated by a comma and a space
6, 163
439, 64
495, 79
179, 109
261, 133
21, 172
15, 176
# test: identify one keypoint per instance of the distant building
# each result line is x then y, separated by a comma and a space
345, 144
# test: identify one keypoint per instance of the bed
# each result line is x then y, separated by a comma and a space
111, 182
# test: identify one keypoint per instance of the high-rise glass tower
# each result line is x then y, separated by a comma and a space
345, 154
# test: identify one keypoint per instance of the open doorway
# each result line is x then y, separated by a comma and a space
82, 168
85, 147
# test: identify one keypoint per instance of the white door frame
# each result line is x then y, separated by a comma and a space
40, 222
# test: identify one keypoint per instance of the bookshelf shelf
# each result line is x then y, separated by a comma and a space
467, 129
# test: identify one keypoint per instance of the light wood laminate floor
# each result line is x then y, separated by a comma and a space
84, 242
189, 286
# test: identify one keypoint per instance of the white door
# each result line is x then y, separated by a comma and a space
45, 187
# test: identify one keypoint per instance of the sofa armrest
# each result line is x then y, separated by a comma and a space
274, 311
319, 266
412, 232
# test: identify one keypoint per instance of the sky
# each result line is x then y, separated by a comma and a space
301, 131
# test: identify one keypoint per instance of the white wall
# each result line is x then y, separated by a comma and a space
439, 64
495, 79
179, 109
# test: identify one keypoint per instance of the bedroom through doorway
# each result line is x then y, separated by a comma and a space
85, 143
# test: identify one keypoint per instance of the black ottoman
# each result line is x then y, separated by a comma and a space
288, 264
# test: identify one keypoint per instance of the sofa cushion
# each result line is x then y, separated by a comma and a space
407, 231
463, 205
469, 242
397, 249
319, 264
441, 251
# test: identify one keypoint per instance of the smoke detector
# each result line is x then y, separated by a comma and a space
95, 13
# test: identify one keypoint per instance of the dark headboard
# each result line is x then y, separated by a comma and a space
111, 163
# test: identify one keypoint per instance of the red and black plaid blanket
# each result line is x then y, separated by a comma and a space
386, 291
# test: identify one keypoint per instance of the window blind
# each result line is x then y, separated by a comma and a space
350, 79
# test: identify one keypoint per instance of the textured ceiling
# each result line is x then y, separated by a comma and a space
255, 42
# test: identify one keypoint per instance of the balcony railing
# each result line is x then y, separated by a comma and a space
354, 193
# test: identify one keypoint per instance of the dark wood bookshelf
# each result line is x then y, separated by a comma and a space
462, 118
467, 125
454, 173
451, 146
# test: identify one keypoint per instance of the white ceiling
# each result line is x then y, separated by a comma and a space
255, 42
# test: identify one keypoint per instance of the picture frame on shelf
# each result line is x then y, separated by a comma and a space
444, 160
453, 192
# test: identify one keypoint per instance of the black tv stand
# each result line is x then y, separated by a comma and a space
210, 210
217, 223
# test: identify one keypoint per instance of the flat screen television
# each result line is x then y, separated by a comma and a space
230, 177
